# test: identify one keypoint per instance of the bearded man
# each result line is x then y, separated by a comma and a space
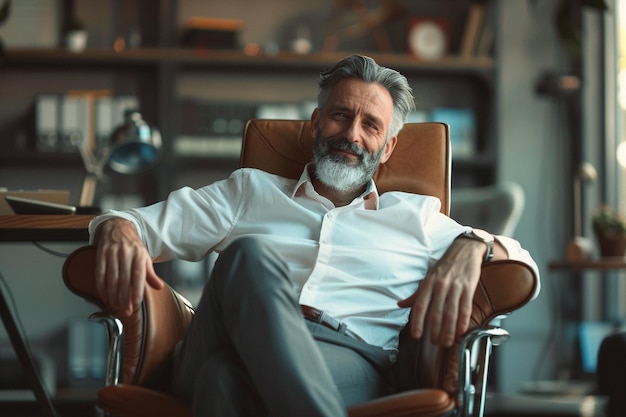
326, 246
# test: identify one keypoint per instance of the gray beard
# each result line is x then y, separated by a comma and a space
339, 172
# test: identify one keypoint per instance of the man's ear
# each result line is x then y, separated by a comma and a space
389, 147
315, 118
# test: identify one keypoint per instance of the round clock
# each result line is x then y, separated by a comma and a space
427, 40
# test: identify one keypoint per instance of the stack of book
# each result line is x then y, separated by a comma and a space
64, 120
211, 33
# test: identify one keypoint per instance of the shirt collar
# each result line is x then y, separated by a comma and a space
370, 195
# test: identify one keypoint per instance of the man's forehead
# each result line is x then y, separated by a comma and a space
352, 92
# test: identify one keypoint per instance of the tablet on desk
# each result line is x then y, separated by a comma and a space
21, 205
48, 195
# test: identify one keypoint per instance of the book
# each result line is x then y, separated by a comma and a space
79, 117
47, 122
462, 122
212, 128
473, 28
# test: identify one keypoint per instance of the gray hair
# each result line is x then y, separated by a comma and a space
366, 69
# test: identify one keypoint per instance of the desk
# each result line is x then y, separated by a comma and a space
50, 228
21, 228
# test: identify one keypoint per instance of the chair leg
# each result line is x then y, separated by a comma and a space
115, 331
475, 353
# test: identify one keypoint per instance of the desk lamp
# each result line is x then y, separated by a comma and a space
133, 147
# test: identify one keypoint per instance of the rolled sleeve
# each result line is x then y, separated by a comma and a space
517, 253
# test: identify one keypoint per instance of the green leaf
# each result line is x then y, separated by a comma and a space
596, 4
5, 10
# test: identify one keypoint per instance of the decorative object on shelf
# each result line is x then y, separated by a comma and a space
133, 147
368, 22
75, 35
211, 33
580, 247
568, 26
609, 226
302, 44
5, 10
428, 38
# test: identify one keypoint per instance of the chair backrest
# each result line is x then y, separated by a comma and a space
496, 208
420, 164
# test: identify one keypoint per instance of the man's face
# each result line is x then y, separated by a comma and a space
350, 134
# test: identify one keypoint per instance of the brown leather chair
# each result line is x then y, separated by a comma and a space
443, 381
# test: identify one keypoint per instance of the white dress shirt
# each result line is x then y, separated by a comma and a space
355, 262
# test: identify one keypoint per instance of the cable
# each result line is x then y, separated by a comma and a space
12, 306
15, 331
50, 251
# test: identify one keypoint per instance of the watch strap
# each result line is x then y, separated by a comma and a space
486, 238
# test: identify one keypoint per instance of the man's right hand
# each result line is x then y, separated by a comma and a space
123, 266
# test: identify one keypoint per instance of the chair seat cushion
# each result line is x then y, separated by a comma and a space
136, 401
415, 403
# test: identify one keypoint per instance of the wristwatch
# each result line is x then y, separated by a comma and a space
485, 237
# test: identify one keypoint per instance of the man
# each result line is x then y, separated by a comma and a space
326, 241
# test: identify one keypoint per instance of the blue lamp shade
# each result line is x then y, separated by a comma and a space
134, 146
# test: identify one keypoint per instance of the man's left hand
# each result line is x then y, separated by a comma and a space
445, 296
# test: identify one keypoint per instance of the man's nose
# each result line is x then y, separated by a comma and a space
354, 133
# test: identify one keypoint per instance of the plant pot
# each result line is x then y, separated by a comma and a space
612, 245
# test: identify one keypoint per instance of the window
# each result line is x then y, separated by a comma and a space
616, 151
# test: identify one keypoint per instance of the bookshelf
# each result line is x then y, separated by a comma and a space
161, 76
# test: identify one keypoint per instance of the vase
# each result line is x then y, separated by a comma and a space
76, 40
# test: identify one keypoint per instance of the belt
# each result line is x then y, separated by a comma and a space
321, 317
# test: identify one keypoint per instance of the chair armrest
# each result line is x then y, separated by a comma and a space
151, 332
504, 287
474, 358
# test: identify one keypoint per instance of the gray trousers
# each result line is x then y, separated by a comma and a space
249, 352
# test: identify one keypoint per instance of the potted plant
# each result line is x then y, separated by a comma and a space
5, 10
75, 35
609, 226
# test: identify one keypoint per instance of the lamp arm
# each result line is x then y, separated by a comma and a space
92, 164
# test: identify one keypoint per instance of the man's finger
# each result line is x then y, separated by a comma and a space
420, 309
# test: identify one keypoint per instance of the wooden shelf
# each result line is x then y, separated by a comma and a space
47, 159
227, 58
602, 264
160, 76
